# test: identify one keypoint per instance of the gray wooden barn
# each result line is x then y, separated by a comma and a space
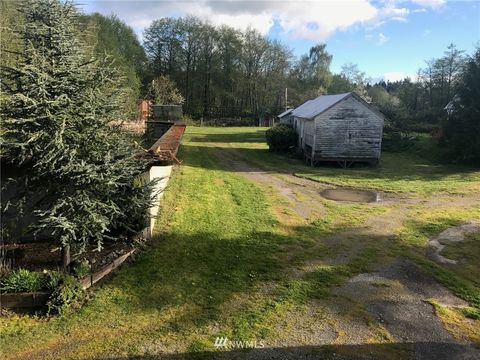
342, 128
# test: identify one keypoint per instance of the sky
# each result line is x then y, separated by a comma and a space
388, 39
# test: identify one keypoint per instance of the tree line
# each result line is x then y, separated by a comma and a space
442, 100
218, 72
225, 72
422, 100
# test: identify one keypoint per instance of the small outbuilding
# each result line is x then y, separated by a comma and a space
342, 128
286, 117
450, 107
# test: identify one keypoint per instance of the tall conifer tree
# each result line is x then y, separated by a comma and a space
57, 112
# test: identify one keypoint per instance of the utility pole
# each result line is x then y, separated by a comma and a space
286, 99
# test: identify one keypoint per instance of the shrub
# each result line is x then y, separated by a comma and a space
423, 128
66, 289
187, 119
164, 91
82, 269
52, 279
397, 142
67, 293
281, 138
21, 280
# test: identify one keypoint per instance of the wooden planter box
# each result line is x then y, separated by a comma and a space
39, 299
24, 300
92, 279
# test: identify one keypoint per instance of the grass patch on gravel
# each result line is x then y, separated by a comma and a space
454, 321
462, 278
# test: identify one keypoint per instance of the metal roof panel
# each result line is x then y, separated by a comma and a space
312, 108
286, 112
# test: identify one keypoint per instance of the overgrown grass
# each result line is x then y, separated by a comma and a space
226, 263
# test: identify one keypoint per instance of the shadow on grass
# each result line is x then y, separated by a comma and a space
205, 271
414, 350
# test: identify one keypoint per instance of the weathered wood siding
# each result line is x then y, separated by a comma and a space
309, 132
306, 131
349, 130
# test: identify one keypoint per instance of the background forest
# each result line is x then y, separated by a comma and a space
224, 75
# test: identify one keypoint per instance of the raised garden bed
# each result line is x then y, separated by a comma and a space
96, 276
47, 255
24, 300
39, 299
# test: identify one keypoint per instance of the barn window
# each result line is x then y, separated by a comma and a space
350, 136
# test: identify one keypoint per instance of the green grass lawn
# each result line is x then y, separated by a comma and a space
398, 172
224, 260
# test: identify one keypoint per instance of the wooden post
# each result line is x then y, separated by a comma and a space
65, 256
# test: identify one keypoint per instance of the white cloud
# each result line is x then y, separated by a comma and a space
329, 17
391, 10
433, 4
399, 19
312, 20
382, 39
379, 38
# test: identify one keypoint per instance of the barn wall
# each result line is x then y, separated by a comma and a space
308, 132
349, 130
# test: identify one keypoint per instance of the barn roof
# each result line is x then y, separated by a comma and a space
312, 108
285, 113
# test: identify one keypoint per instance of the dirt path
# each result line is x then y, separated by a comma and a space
234, 160
394, 297
301, 193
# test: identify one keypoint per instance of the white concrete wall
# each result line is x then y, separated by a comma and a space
163, 174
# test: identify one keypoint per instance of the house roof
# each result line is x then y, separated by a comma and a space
285, 113
312, 108
451, 103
